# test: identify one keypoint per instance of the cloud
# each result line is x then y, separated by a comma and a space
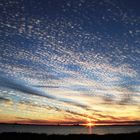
6, 102
2, 99
64, 62
119, 122
23, 87
41, 86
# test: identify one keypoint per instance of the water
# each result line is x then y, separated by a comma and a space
69, 129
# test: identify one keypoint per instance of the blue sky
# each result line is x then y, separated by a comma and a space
76, 57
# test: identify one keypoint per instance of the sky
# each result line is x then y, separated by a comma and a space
70, 61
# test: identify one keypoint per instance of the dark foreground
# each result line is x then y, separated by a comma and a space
30, 136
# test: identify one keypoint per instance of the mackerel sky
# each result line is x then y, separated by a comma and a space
69, 61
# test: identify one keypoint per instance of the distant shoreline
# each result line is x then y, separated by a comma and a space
64, 125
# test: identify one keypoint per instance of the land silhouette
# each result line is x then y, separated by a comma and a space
30, 136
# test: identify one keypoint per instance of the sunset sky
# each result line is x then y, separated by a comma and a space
70, 61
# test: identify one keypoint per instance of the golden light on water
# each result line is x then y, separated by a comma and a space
90, 127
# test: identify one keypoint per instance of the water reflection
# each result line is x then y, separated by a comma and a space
90, 129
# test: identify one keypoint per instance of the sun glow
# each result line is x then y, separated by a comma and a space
90, 124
